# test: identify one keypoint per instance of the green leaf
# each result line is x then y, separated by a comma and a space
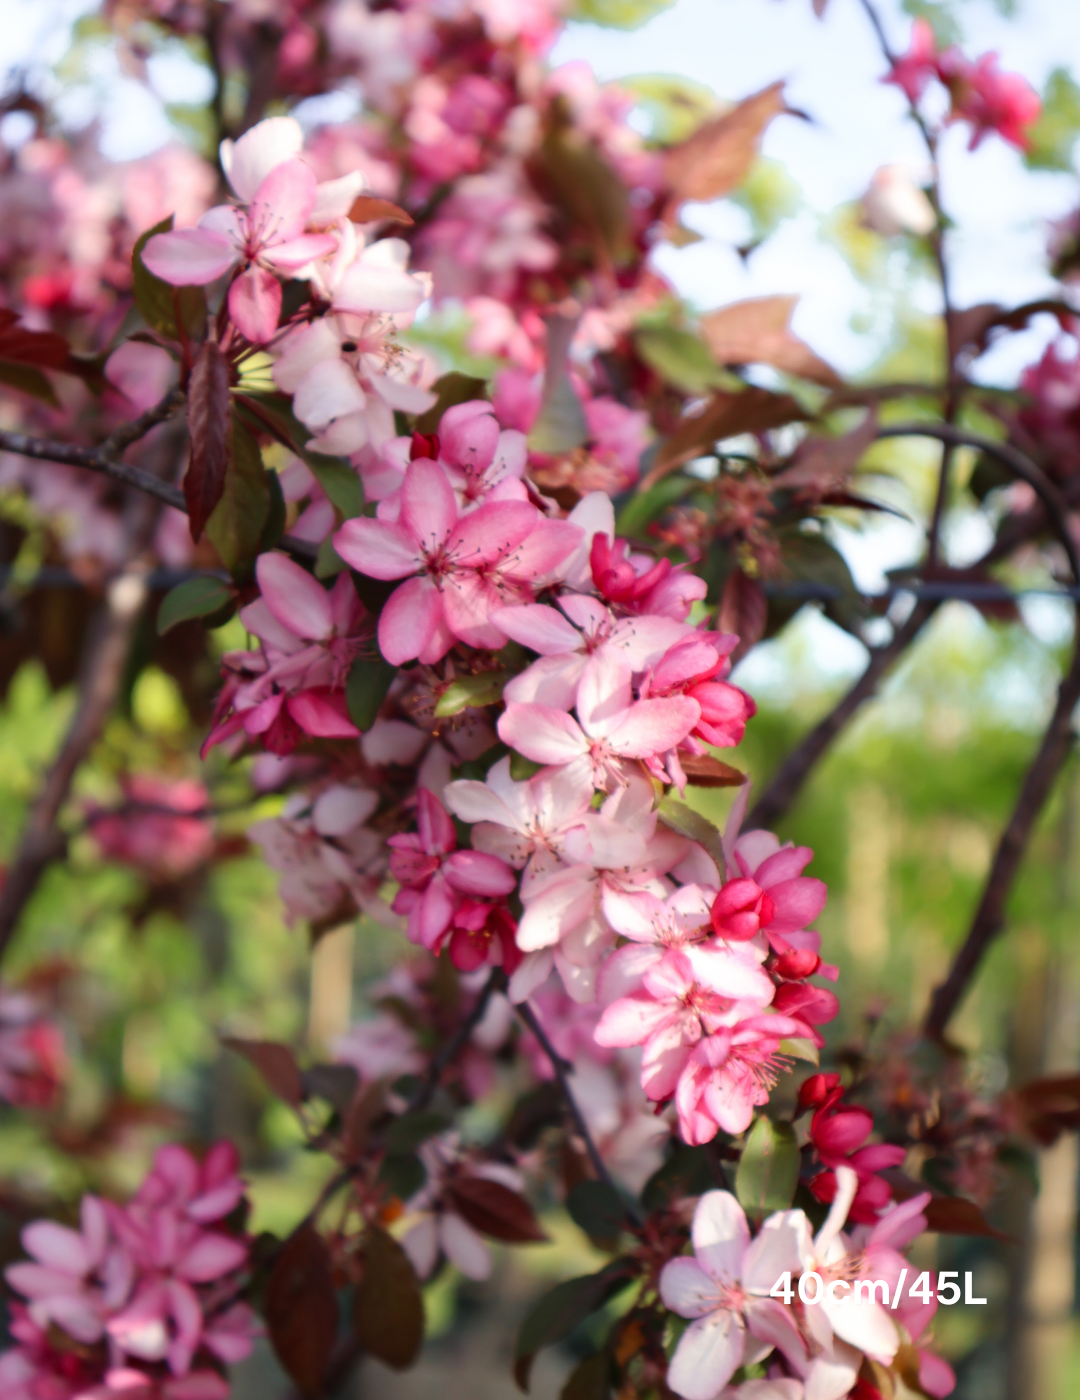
328, 562
801, 1050
402, 1173
159, 303
236, 526
388, 1310
683, 819
1053, 135
679, 357
407, 1133
559, 1311
685, 1173
619, 14
768, 1170
450, 390
195, 597
470, 691
275, 516
28, 379
367, 687
341, 483
598, 1210
640, 511
522, 768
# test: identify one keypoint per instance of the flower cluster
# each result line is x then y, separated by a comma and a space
731, 1291
141, 1300
979, 92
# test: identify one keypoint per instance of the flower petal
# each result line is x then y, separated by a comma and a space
544, 734
188, 257
267, 144
686, 1288
720, 1235
378, 548
255, 304
298, 601
411, 619
709, 1352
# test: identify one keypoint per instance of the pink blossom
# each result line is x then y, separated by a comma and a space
989, 99
312, 635
523, 823
611, 726
326, 853
772, 895
565, 653
731, 1072
434, 874
152, 832
144, 1284
32, 1060
267, 236
912, 72
459, 568
725, 1289
688, 994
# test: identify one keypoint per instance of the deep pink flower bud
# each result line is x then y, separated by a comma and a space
424, 445
837, 1134
814, 1091
740, 909
797, 963
615, 576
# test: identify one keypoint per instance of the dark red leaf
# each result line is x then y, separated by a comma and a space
388, 1311
45, 349
743, 610
208, 424
301, 1310
703, 770
367, 208
824, 465
751, 410
955, 1215
495, 1210
276, 1063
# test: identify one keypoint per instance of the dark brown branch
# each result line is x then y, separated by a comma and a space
990, 916
562, 1070
788, 780
453, 1047
792, 774
92, 460
89, 459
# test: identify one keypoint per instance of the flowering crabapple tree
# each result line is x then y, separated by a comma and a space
482, 597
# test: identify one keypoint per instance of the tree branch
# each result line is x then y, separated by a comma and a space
990, 916
562, 1070
788, 780
89, 459
103, 664
102, 461
792, 774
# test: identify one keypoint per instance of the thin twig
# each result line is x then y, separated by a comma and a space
92, 460
792, 774
89, 459
562, 1069
449, 1052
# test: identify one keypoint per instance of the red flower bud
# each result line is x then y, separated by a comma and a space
424, 445
815, 1090
797, 963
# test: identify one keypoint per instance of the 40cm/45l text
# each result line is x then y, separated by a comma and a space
811, 1289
